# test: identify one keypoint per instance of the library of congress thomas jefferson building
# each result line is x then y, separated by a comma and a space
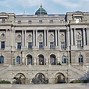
44, 48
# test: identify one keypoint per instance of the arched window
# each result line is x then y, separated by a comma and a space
41, 60
64, 59
1, 59
53, 59
81, 59
18, 60
29, 60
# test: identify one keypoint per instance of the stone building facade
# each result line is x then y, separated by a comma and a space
44, 48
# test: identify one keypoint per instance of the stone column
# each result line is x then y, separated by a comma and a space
68, 39
36, 39
75, 37
68, 45
48, 40
44, 37
84, 39
8, 39
56, 38
71, 37
22, 39
25, 40
35, 63
33, 38
49, 61
46, 58
22, 57
59, 45
13, 38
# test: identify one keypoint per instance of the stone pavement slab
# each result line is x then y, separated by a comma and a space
45, 86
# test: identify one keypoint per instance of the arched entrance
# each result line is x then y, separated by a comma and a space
53, 60
60, 78
41, 60
19, 78
40, 79
29, 60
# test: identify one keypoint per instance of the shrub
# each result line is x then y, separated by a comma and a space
5, 82
80, 81
77, 81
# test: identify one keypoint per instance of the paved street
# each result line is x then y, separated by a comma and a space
48, 86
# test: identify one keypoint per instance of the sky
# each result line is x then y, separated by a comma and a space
51, 6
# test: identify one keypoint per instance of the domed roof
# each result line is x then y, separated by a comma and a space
41, 11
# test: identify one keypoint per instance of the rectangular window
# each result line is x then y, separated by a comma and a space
3, 20
40, 21
63, 45
51, 21
52, 45
2, 44
29, 21
29, 44
19, 22
41, 45
19, 45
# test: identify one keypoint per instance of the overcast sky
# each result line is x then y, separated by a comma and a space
51, 6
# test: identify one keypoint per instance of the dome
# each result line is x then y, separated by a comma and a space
41, 11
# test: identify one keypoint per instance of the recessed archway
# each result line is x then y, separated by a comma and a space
29, 60
40, 79
19, 78
60, 78
41, 60
53, 60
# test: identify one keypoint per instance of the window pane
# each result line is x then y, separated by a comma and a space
64, 59
19, 45
52, 45
62, 45
81, 59
29, 44
1, 59
41, 45
18, 60
2, 44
